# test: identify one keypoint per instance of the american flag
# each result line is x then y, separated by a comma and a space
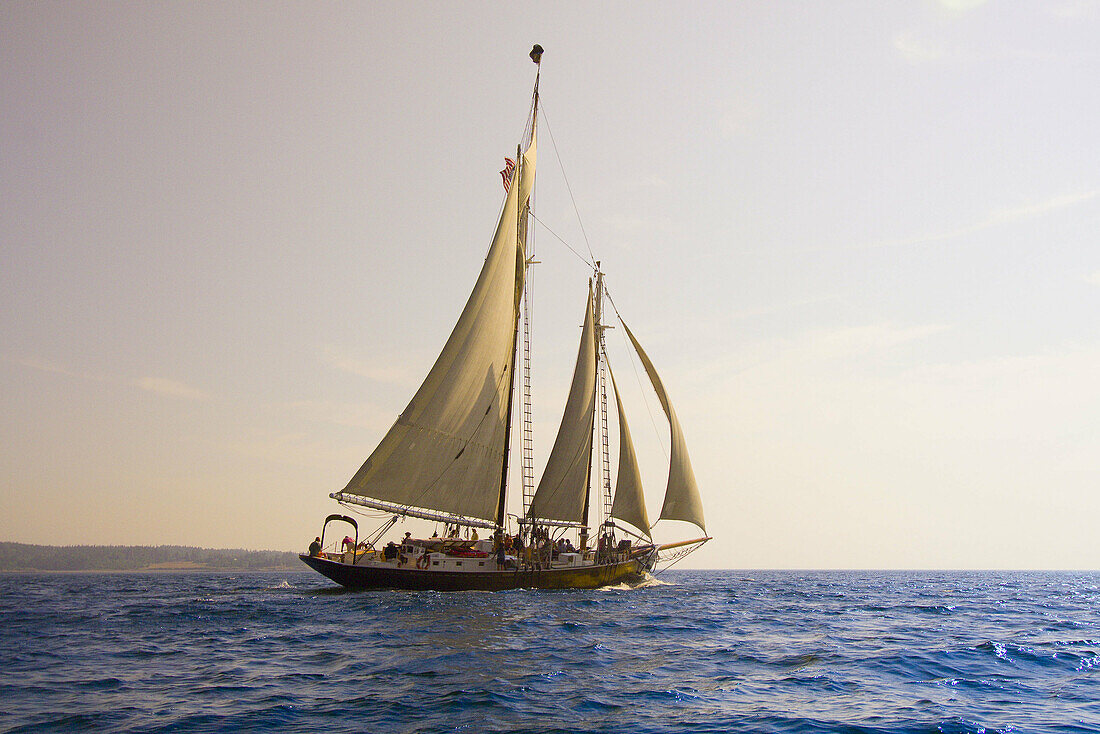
506, 174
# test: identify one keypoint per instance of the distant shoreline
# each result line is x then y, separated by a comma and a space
29, 558
205, 569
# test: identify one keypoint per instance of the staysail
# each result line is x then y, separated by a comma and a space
629, 503
446, 450
682, 501
564, 483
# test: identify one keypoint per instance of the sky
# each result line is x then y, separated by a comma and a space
859, 241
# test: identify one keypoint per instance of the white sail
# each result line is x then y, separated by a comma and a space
446, 450
564, 484
629, 503
682, 501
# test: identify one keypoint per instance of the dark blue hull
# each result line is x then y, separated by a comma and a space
378, 577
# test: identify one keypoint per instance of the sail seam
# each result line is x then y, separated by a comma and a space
466, 442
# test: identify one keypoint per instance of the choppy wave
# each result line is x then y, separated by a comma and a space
648, 581
689, 651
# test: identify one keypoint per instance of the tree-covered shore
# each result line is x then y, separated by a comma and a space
27, 557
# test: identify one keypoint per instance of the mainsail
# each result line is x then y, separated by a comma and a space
682, 501
446, 451
564, 484
629, 504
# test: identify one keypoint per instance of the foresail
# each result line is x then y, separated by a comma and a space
564, 483
629, 503
682, 501
446, 450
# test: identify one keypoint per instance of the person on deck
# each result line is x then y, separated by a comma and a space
501, 559
348, 542
315, 547
517, 547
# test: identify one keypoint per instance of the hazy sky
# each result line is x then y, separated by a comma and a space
860, 240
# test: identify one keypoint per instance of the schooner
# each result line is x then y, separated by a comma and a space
446, 457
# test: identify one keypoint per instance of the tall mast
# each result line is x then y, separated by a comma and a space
588, 475
603, 473
528, 457
601, 387
527, 468
503, 496
521, 239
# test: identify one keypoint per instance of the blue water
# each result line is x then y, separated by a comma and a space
719, 651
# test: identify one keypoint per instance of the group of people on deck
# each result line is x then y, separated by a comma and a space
509, 551
539, 553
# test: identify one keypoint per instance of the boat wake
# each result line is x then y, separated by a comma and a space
649, 581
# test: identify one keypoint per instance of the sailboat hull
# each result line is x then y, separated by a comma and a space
377, 577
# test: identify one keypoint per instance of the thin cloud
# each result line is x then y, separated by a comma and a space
650, 181
995, 218
158, 385
352, 415
1093, 277
843, 345
918, 48
1076, 9
849, 342
1000, 216
171, 388
379, 373
43, 365
750, 313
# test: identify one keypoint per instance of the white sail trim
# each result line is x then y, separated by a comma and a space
629, 503
564, 483
446, 450
682, 501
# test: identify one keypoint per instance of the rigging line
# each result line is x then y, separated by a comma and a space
638, 377
674, 561
352, 509
546, 119
589, 263
612, 300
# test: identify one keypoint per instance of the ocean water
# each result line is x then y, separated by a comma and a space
695, 651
